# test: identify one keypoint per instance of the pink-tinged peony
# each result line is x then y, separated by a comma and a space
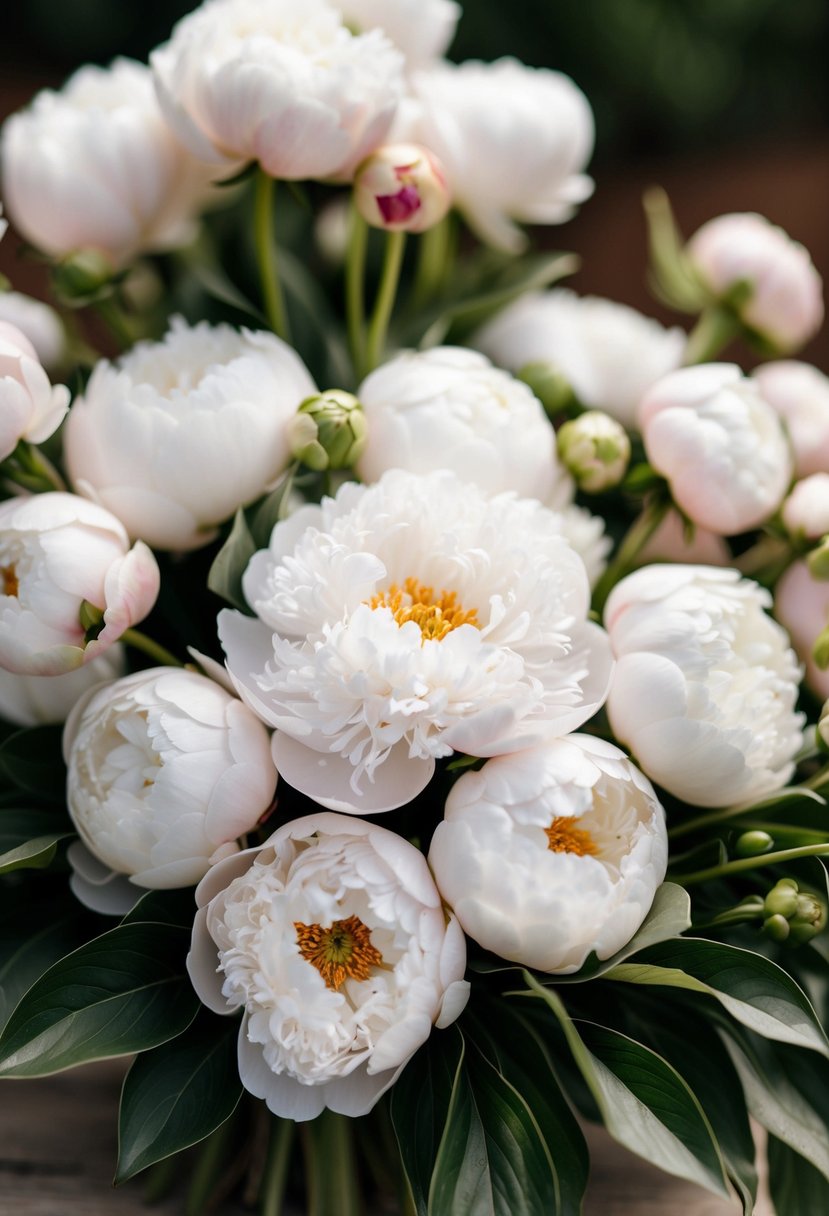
800, 395
294, 89
769, 278
95, 167
705, 684
720, 445
177, 434
39, 700
58, 552
404, 621
514, 142
552, 853
801, 604
30, 407
401, 188
332, 940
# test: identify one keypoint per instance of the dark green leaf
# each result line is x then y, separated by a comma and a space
29, 838
225, 577
176, 907
125, 991
752, 988
796, 1187
267, 514
33, 936
32, 760
33, 855
178, 1093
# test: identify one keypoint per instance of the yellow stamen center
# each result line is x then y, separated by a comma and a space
342, 951
11, 583
564, 837
436, 615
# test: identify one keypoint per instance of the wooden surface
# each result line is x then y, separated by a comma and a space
58, 1148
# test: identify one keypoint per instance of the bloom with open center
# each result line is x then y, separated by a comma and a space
406, 620
332, 938
705, 685
549, 854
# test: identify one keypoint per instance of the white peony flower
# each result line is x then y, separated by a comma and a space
38, 700
290, 87
450, 408
785, 300
719, 444
30, 407
406, 620
801, 604
422, 29
165, 771
705, 685
553, 853
177, 434
513, 140
800, 395
806, 510
57, 551
609, 353
584, 531
40, 324
332, 938
95, 166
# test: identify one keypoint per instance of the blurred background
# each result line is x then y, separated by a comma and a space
723, 102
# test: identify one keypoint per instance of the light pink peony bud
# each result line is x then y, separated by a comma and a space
806, 510
800, 395
30, 407
402, 188
801, 604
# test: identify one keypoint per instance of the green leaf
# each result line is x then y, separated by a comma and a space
174, 907
419, 1106
34, 935
753, 989
29, 838
796, 1187
32, 760
125, 991
178, 1093
33, 855
230, 563
267, 513
644, 1102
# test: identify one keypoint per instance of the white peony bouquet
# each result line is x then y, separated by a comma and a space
411, 673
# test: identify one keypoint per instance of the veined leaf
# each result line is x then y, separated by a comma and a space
796, 1187
175, 907
34, 934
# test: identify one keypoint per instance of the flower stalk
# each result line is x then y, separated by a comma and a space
384, 303
267, 254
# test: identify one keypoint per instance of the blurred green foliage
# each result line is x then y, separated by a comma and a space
660, 74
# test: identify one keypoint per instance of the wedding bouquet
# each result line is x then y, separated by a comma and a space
466, 775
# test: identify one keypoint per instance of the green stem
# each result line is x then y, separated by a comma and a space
355, 286
820, 778
751, 863
115, 321
266, 254
34, 464
704, 821
433, 261
383, 305
716, 327
276, 1170
208, 1169
637, 536
331, 1167
140, 641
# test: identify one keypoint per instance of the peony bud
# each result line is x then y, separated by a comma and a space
766, 277
753, 844
595, 448
328, 431
401, 188
801, 604
806, 510
799, 393
30, 407
792, 914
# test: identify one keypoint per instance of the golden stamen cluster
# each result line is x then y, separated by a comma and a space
564, 837
11, 583
436, 615
342, 951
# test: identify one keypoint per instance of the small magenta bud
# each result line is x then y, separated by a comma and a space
402, 188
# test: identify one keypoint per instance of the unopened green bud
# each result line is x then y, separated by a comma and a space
809, 919
782, 899
777, 928
818, 560
82, 274
328, 431
595, 448
820, 649
822, 728
550, 385
752, 844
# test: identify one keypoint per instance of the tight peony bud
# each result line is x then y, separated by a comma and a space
30, 407
793, 915
57, 554
329, 431
806, 510
402, 188
595, 448
768, 278
799, 393
801, 604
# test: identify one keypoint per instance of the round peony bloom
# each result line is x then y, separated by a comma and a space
584, 531
801, 604
30, 407
406, 620
721, 447
39, 323
806, 510
784, 302
800, 395
177, 434
705, 685
450, 408
609, 353
553, 853
513, 140
57, 552
41, 700
332, 938
95, 167
292, 89
165, 771
401, 188
421, 29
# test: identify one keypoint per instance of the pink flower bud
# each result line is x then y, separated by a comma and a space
806, 510
402, 188
801, 604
